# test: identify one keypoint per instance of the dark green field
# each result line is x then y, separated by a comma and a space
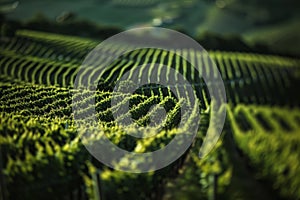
42, 155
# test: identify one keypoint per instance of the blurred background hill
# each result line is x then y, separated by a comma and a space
270, 24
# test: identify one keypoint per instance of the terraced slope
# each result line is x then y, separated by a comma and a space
249, 78
38, 136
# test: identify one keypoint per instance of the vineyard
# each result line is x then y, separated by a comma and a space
43, 157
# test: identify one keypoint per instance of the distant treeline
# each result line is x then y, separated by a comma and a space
69, 24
